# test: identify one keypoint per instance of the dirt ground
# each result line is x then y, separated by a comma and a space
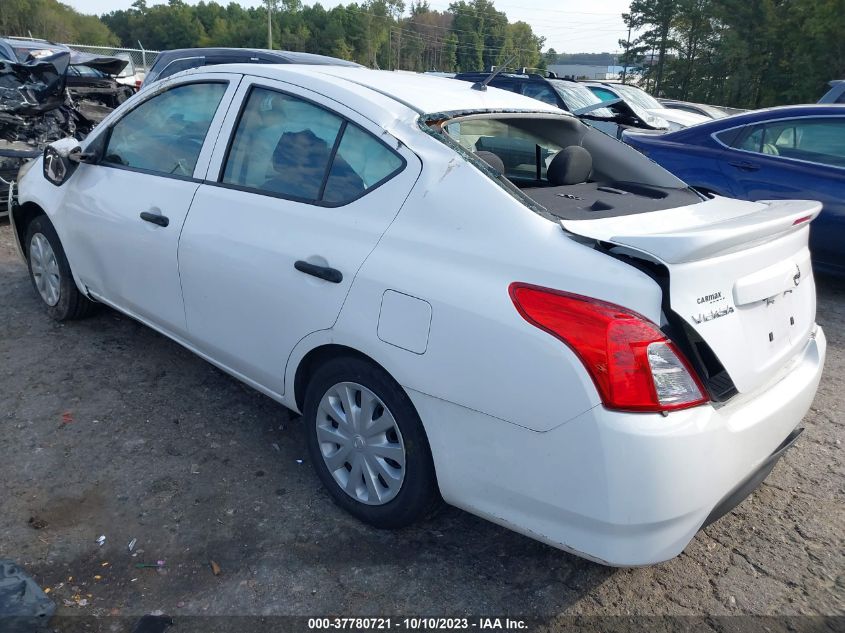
111, 429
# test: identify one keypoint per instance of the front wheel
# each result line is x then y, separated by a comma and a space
368, 444
50, 272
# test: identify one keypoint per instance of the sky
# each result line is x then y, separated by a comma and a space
569, 26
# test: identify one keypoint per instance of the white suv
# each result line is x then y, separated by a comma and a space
468, 294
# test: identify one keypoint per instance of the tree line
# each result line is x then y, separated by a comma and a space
470, 35
48, 19
741, 53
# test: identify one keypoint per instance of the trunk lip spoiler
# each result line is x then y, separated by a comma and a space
692, 236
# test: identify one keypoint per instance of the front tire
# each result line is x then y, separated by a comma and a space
50, 273
368, 445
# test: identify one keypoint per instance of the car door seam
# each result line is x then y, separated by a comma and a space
357, 270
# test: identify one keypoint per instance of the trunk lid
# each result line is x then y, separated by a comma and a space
739, 275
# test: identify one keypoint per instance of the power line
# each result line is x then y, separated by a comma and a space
428, 39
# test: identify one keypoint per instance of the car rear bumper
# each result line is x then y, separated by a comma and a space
620, 488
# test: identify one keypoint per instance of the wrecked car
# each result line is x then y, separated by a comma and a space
48, 96
91, 79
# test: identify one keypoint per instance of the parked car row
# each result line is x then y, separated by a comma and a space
469, 294
779, 153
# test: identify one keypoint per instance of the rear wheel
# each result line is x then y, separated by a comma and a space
50, 272
368, 444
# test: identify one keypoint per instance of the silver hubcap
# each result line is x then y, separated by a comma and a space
361, 443
45, 269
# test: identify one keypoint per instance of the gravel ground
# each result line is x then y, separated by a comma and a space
111, 429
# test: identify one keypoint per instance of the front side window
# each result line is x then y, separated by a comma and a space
816, 140
819, 140
165, 133
292, 148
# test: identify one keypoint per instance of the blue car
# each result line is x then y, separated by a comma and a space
789, 152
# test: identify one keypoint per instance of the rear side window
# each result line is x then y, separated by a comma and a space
292, 148
603, 94
729, 137
540, 91
362, 162
178, 65
165, 133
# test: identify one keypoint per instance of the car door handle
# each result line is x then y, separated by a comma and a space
323, 272
155, 218
744, 165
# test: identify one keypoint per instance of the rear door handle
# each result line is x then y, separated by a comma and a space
744, 165
323, 272
155, 218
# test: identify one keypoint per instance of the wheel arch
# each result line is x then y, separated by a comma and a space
21, 218
316, 357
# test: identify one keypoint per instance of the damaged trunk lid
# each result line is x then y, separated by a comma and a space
737, 274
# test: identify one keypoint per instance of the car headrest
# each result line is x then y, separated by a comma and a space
570, 166
493, 160
303, 151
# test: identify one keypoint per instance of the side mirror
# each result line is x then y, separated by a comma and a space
57, 168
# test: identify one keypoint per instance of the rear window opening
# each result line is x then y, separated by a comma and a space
571, 170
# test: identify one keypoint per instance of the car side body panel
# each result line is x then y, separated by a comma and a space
462, 264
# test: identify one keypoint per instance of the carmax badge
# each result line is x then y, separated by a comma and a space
796, 279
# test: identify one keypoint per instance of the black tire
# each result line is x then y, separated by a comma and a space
418, 495
72, 304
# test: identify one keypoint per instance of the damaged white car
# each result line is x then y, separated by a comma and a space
469, 295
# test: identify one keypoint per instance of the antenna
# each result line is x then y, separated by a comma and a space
482, 85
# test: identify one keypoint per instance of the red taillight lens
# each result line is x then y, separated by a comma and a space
633, 365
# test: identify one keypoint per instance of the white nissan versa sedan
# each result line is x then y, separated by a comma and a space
468, 294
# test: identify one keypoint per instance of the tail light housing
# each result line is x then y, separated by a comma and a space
632, 363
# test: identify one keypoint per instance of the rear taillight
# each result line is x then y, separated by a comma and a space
632, 363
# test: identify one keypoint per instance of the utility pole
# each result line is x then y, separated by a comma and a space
627, 54
269, 25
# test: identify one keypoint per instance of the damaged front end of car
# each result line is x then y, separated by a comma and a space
38, 107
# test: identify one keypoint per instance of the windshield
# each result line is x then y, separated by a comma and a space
576, 96
25, 51
638, 97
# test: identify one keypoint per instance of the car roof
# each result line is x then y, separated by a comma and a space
777, 112
291, 57
510, 75
386, 95
33, 44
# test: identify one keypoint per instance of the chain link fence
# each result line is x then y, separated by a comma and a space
140, 58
